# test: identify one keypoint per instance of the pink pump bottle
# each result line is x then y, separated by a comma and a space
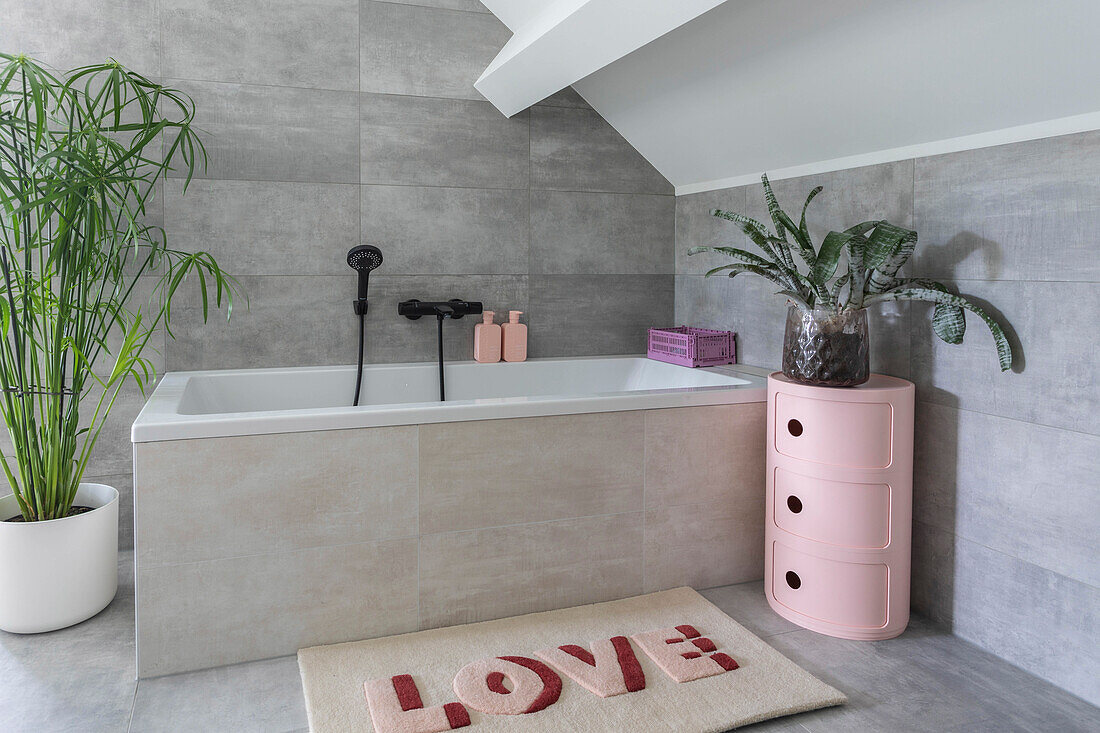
514, 335
487, 339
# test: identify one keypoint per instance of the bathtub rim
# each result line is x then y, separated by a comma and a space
160, 420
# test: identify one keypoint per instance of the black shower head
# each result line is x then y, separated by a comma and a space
364, 258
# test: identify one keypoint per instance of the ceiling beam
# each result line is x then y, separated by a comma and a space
566, 40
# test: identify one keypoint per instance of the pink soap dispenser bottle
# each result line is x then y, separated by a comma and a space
487, 339
514, 336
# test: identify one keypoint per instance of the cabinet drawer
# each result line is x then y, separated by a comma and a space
852, 515
845, 593
855, 434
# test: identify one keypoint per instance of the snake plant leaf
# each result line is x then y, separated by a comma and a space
802, 222
1004, 350
829, 255
783, 222
738, 254
948, 321
890, 247
837, 286
761, 237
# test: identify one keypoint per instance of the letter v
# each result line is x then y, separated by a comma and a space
609, 669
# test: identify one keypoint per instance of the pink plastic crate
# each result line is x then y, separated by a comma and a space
693, 347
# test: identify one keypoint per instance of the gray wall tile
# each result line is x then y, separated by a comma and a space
568, 97
696, 226
1055, 376
1025, 490
494, 573
442, 142
451, 231
280, 42
364, 489
576, 150
265, 227
422, 51
557, 467
1032, 617
306, 320
281, 604
1028, 211
601, 233
276, 133
70, 33
582, 315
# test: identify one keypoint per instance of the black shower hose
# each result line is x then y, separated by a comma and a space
359, 371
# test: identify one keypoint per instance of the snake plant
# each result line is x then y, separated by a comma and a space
79, 155
875, 252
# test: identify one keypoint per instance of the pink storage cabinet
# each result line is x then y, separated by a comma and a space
839, 510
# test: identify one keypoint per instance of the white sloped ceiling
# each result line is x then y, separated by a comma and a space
712, 93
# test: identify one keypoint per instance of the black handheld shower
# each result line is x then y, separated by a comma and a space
362, 258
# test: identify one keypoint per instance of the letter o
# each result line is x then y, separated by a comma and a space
534, 685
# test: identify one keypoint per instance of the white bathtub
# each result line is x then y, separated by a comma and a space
270, 505
227, 403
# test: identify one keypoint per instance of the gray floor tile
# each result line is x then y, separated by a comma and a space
75, 679
263, 696
745, 603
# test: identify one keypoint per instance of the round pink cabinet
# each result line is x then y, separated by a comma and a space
840, 506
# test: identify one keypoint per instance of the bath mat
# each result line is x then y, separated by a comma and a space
668, 661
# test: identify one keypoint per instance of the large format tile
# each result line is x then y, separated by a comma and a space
705, 545
474, 6
933, 572
304, 321
1055, 374
703, 454
425, 51
704, 496
696, 226
1030, 616
494, 573
70, 33
215, 498
212, 613
502, 472
266, 228
576, 150
442, 142
276, 133
280, 42
582, 315
567, 97
451, 231
218, 699
849, 197
601, 233
1026, 211
75, 679
749, 306
746, 604
1023, 489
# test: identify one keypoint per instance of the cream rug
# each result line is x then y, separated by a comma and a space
667, 661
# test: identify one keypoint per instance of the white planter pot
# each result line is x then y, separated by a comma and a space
59, 572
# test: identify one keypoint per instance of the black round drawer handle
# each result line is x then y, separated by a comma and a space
794, 427
793, 580
794, 504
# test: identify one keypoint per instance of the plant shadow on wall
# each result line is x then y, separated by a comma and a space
80, 154
826, 339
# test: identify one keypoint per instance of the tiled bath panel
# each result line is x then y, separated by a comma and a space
255, 546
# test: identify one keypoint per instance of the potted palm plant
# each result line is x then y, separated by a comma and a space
79, 156
826, 338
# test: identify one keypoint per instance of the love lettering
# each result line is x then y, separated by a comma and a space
606, 668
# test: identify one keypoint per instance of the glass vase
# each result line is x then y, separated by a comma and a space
826, 348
